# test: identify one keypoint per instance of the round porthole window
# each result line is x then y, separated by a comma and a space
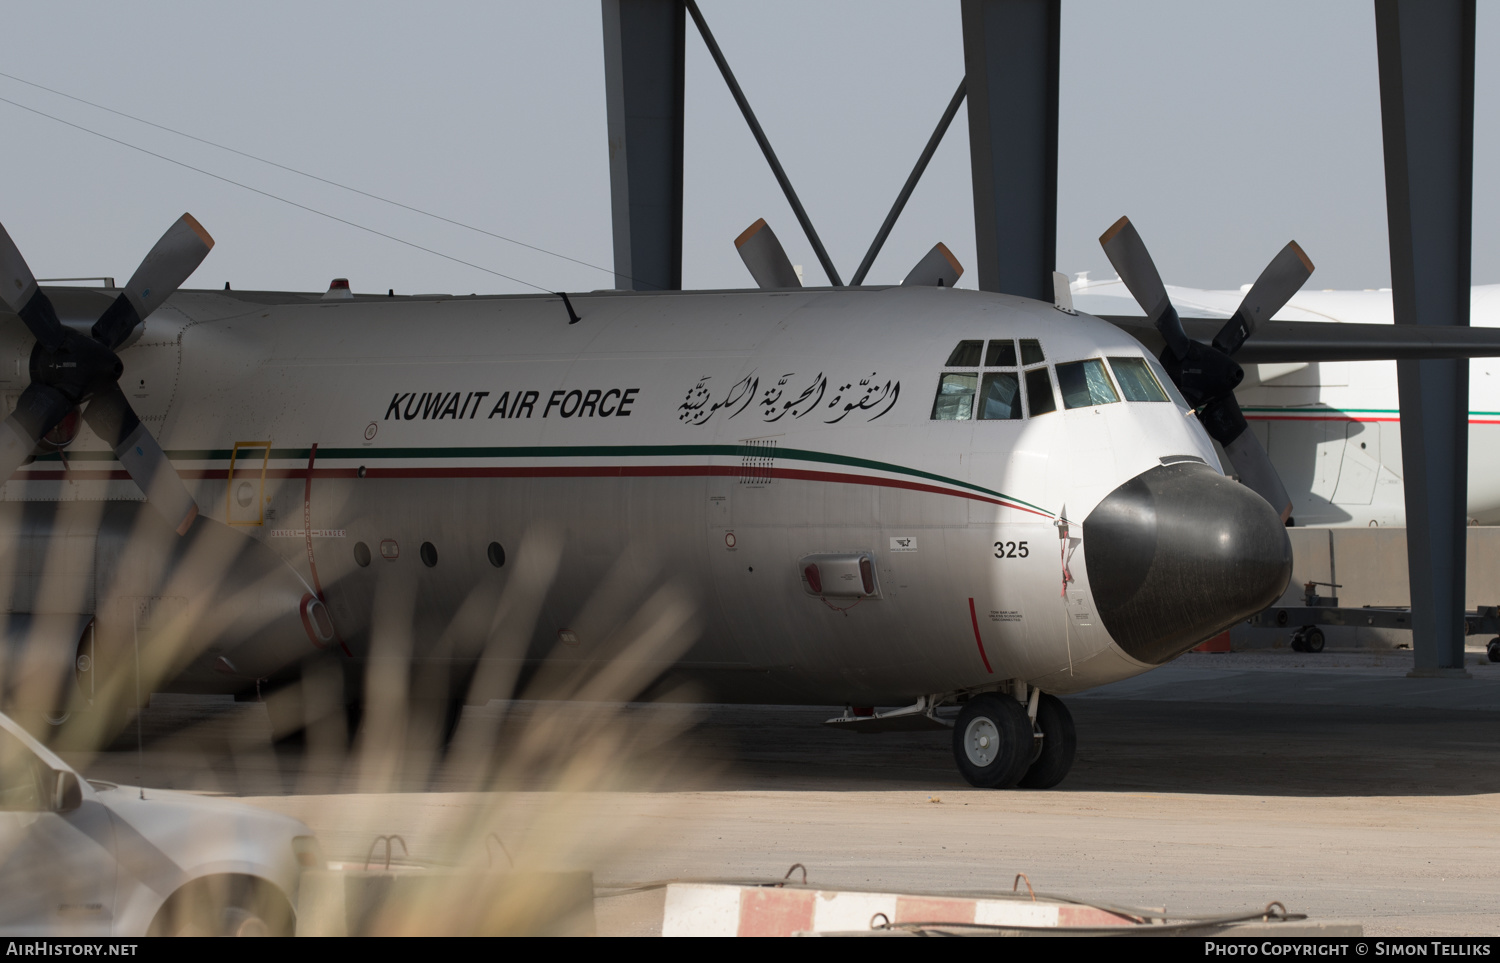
429, 554
361, 554
497, 554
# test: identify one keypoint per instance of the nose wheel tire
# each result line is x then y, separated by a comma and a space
1493, 650
1059, 742
992, 741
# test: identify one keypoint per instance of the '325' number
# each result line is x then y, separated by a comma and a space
1011, 550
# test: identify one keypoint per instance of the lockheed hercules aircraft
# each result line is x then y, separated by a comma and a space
907, 496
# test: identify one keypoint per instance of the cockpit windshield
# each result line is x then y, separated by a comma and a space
1136, 380
1085, 384
1014, 382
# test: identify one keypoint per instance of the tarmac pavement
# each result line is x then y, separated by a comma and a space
1330, 782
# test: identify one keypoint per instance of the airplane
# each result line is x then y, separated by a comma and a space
912, 496
1333, 430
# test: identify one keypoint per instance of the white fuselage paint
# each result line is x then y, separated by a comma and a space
1333, 429
731, 434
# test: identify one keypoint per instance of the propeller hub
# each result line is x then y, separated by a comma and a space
68, 368
1203, 374
77, 368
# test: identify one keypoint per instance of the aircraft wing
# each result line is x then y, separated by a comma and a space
1278, 342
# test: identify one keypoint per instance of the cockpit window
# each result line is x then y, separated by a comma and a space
996, 395
1039, 392
955, 394
1084, 383
1136, 380
1000, 399
966, 355
1002, 354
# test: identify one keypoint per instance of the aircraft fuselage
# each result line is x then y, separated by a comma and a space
414, 460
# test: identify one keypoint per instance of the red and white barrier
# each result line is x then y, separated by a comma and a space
713, 909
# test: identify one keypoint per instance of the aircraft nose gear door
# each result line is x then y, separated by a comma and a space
246, 499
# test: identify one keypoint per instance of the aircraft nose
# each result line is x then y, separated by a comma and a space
1180, 553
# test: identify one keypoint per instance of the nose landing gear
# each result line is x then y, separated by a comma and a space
997, 746
1058, 743
992, 741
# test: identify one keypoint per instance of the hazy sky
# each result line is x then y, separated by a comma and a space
1222, 129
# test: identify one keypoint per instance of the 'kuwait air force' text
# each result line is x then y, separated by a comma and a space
563, 403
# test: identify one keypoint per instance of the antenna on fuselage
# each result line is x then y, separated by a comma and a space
573, 317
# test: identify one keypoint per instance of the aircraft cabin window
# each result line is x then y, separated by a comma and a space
1031, 351
1085, 384
1136, 380
1000, 399
966, 355
1002, 354
1039, 392
955, 394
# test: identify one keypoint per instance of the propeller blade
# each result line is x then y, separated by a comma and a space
1127, 253
1256, 472
174, 258
38, 411
113, 420
1281, 279
765, 257
1225, 423
20, 293
937, 269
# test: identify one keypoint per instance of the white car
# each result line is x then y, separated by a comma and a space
81, 858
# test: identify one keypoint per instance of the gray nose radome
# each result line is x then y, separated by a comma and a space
1180, 553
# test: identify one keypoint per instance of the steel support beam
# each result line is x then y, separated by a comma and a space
1010, 65
1426, 55
764, 142
643, 83
911, 184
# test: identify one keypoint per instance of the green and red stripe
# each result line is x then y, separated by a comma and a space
610, 467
